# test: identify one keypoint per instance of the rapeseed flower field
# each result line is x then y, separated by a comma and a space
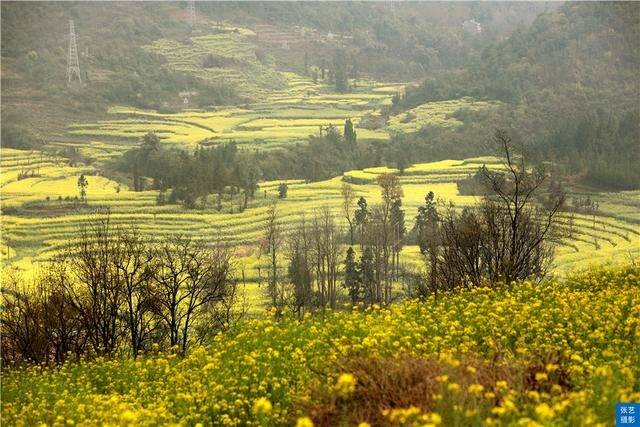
558, 353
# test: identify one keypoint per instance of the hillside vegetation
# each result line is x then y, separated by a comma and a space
552, 353
569, 82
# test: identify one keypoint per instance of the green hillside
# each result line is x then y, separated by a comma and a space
570, 86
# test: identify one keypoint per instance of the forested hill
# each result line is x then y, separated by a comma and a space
571, 88
385, 40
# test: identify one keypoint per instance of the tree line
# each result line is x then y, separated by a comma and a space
190, 178
184, 177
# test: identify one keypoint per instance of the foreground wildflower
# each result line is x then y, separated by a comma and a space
262, 406
304, 422
346, 384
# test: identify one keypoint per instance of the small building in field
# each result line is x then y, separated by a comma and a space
186, 96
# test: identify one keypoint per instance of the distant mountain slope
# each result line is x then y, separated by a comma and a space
387, 40
571, 86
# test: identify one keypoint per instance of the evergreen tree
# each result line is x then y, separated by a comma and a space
349, 132
426, 222
361, 213
352, 276
397, 218
354, 75
150, 142
82, 186
340, 71
282, 190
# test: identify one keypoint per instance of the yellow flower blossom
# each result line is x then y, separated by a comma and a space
261, 406
541, 376
304, 422
346, 384
475, 389
544, 411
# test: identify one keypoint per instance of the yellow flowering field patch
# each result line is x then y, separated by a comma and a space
557, 353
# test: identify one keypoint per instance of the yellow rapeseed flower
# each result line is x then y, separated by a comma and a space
304, 422
128, 416
475, 388
544, 411
346, 384
261, 406
541, 376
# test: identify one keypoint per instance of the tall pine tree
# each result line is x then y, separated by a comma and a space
349, 132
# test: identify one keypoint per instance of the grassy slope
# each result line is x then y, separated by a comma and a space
557, 353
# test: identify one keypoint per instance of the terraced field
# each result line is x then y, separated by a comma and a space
281, 120
39, 221
441, 113
284, 108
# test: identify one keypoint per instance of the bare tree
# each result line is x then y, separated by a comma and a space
507, 237
62, 326
525, 246
96, 291
325, 252
228, 310
348, 197
271, 245
23, 337
135, 266
169, 277
383, 230
331, 247
378, 238
300, 267
37, 322
188, 278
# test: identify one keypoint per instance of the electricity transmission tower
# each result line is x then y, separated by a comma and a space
73, 66
191, 13
392, 10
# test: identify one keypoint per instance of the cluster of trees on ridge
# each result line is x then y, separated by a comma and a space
115, 292
189, 178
